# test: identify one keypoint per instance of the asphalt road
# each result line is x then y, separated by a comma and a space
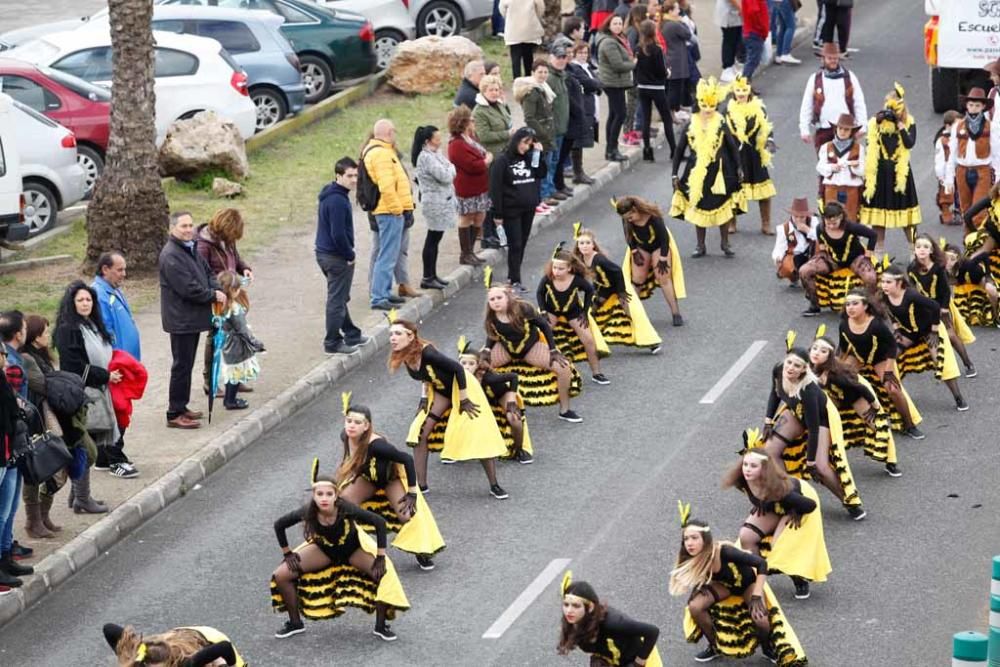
20, 14
602, 493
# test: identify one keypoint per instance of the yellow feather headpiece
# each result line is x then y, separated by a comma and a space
488, 277
708, 93
885, 261
741, 86
314, 472
820, 331
345, 399
789, 340
576, 229
684, 509
140, 655
752, 440
942, 242
614, 204
566, 581
558, 249
392, 316
899, 90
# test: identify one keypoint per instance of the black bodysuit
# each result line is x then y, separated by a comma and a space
847, 248
792, 502
381, 462
873, 346
340, 539
439, 371
845, 391
608, 277
809, 407
570, 303
739, 569
496, 385
932, 284
916, 315
518, 341
650, 237
620, 640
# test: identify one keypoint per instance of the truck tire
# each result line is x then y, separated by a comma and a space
944, 89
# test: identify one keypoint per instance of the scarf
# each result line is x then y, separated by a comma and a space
974, 122
99, 354
475, 144
623, 40
842, 145
835, 74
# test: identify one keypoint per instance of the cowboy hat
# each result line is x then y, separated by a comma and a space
847, 120
829, 49
800, 207
976, 94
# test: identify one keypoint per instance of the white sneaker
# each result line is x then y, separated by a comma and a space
789, 59
728, 74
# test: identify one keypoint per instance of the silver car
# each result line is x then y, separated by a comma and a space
53, 180
390, 20
445, 18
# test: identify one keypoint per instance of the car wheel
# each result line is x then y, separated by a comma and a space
386, 42
270, 105
93, 164
317, 76
439, 18
40, 208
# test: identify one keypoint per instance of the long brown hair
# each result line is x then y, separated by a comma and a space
647, 36
515, 310
636, 16
411, 353
576, 265
834, 368
642, 206
170, 649
584, 632
36, 325
232, 287
350, 465
773, 478
310, 519
692, 571
937, 254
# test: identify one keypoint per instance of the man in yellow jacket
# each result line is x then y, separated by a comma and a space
395, 199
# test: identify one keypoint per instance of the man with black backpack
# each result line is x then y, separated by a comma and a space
384, 191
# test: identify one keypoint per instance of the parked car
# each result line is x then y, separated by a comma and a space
82, 108
445, 18
192, 73
255, 42
334, 46
12, 227
390, 20
19, 36
52, 178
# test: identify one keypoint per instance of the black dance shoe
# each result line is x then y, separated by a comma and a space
708, 655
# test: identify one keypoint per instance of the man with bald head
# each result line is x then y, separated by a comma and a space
384, 167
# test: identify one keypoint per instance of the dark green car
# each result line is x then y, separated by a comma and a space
334, 46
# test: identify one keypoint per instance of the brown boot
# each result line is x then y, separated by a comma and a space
765, 217
407, 292
466, 239
45, 504
33, 525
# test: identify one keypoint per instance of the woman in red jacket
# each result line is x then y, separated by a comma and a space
472, 180
756, 26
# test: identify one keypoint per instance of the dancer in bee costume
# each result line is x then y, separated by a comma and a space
973, 291
889, 200
729, 601
802, 428
380, 478
864, 420
928, 273
709, 193
180, 647
866, 344
565, 295
988, 238
921, 338
468, 432
653, 258
611, 638
519, 340
338, 565
747, 118
785, 523
619, 314
505, 401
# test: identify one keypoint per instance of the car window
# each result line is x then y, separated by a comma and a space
29, 93
234, 36
170, 25
170, 62
293, 15
77, 85
34, 114
89, 64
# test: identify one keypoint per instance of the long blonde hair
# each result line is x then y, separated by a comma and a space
691, 572
170, 649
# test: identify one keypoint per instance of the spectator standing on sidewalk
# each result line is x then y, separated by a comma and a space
676, 33
217, 245
837, 17
383, 165
583, 70
472, 181
783, 31
756, 26
829, 93
730, 22
536, 97
336, 258
615, 64
651, 76
468, 89
10, 477
436, 180
494, 125
188, 288
523, 32
633, 117
559, 81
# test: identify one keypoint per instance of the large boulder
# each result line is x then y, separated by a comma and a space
202, 143
431, 64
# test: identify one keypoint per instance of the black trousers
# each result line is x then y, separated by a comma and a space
616, 116
731, 39
339, 276
647, 98
111, 454
676, 90
517, 224
839, 19
430, 252
183, 350
521, 55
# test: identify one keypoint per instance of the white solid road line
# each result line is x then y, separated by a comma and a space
524, 600
733, 372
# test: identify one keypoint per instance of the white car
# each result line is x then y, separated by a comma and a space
52, 178
12, 227
192, 73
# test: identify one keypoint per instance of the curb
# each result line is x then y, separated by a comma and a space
89, 545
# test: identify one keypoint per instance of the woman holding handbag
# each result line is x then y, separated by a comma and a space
84, 347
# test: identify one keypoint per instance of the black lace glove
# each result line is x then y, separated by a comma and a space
637, 257
468, 408
757, 609
422, 405
378, 568
557, 358
676, 182
293, 562
582, 321
624, 297
870, 416
410, 503
662, 267
794, 521
890, 381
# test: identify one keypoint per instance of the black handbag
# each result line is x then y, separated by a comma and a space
41, 457
64, 392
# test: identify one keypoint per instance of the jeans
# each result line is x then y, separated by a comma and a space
783, 27
552, 162
497, 21
183, 350
10, 491
401, 271
755, 51
390, 235
731, 40
339, 277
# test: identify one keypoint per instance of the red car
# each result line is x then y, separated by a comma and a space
79, 106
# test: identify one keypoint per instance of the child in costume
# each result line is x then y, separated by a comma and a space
841, 167
240, 346
794, 242
748, 121
973, 290
942, 155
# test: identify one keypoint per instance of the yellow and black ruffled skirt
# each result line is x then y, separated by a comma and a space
832, 289
537, 386
917, 359
647, 288
736, 634
464, 437
876, 441
327, 593
570, 344
419, 535
896, 419
972, 302
617, 328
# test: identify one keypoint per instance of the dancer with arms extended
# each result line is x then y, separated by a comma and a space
653, 257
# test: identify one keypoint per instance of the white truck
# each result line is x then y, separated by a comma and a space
960, 37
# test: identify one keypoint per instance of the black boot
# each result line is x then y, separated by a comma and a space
579, 175
647, 154
13, 568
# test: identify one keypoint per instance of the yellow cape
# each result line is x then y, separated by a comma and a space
465, 437
676, 270
419, 535
961, 326
802, 551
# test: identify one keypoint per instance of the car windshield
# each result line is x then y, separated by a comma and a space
34, 114
82, 88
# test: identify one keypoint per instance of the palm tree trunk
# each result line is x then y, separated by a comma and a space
129, 211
